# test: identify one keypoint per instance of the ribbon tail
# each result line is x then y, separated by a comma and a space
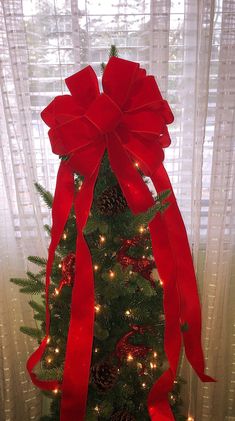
190, 310
170, 244
62, 204
158, 406
80, 336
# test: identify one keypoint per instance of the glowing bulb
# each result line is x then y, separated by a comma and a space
139, 365
130, 272
96, 350
48, 340
136, 164
111, 274
151, 365
59, 265
144, 385
57, 291
161, 282
55, 391
64, 236
128, 312
57, 350
130, 357
96, 267
155, 354
96, 408
102, 238
143, 257
49, 360
97, 308
141, 229
190, 419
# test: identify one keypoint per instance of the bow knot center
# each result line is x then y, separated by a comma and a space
104, 113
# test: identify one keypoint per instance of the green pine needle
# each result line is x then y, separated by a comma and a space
40, 261
45, 194
47, 229
113, 52
20, 281
31, 331
37, 307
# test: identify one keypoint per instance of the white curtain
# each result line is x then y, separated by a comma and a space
189, 47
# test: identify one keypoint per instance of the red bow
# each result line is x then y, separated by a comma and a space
129, 119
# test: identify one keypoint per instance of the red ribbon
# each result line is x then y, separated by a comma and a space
129, 119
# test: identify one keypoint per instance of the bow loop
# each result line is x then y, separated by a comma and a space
104, 113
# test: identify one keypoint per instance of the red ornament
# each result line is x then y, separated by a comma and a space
142, 265
68, 272
126, 350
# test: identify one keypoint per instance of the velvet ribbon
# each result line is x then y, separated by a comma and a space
129, 119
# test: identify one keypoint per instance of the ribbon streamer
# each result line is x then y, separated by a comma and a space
129, 119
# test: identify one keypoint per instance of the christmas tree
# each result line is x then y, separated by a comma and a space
128, 348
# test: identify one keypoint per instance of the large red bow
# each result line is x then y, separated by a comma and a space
129, 119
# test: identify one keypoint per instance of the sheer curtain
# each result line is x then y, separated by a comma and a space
189, 47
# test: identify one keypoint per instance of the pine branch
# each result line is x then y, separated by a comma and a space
29, 286
50, 374
48, 229
40, 261
113, 51
20, 281
31, 331
37, 307
45, 194
33, 289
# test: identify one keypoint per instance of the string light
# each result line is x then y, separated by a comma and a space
161, 282
139, 365
48, 340
144, 385
49, 360
96, 408
136, 164
111, 274
96, 350
55, 391
141, 229
80, 185
59, 265
130, 272
56, 291
130, 357
190, 419
64, 236
128, 312
143, 257
57, 350
96, 267
155, 354
97, 308
102, 239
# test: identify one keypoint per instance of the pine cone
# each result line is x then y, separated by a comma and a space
111, 201
122, 415
104, 375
